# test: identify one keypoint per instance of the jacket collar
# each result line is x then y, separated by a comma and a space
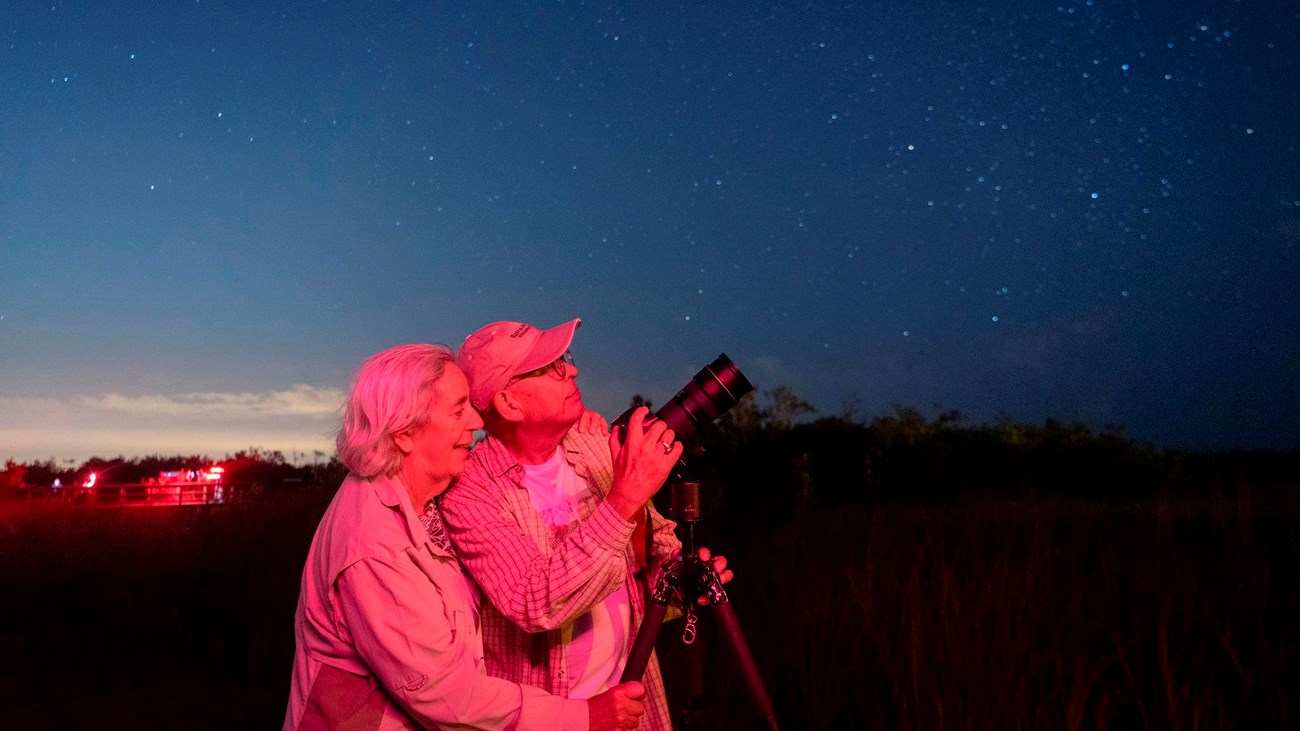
393, 494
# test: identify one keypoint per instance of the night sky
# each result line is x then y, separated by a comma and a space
212, 212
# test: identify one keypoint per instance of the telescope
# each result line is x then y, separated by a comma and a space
711, 393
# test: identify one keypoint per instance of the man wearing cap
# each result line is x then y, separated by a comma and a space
544, 519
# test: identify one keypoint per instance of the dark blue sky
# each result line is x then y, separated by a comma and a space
211, 212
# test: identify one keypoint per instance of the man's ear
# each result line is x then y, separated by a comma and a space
507, 406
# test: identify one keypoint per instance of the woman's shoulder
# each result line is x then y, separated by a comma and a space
366, 521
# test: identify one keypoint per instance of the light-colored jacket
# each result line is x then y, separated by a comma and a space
387, 634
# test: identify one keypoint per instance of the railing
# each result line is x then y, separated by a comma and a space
154, 495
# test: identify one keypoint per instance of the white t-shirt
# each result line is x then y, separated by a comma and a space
598, 640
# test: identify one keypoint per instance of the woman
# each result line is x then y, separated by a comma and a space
386, 627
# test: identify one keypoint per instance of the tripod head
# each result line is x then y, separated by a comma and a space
691, 576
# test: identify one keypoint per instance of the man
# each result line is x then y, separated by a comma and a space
544, 522
386, 626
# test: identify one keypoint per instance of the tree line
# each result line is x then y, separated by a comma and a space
773, 456
772, 453
251, 468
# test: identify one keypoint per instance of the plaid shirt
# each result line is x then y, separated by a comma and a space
538, 578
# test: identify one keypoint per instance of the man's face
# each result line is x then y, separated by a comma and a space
549, 396
439, 449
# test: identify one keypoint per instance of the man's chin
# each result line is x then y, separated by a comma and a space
573, 418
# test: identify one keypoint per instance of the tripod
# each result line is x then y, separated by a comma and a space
692, 579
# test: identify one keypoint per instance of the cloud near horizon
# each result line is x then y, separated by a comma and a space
300, 419
300, 400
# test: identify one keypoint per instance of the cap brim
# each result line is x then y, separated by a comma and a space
550, 345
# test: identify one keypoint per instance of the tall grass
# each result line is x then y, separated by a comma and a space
973, 614
1003, 614
150, 617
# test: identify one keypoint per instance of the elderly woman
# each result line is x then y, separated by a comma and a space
386, 628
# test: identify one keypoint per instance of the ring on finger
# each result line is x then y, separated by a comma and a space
668, 447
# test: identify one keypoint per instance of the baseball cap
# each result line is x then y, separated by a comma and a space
498, 352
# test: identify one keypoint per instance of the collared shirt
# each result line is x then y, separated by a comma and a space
385, 630
539, 578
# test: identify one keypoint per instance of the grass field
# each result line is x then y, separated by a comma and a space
978, 614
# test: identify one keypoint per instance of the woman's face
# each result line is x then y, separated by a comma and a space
437, 453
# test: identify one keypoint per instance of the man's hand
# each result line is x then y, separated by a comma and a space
641, 462
719, 564
619, 707
592, 423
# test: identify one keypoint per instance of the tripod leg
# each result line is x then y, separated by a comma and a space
645, 641
726, 615
694, 712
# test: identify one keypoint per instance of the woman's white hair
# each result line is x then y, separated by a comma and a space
392, 392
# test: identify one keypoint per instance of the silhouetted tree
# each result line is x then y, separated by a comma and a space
785, 408
13, 478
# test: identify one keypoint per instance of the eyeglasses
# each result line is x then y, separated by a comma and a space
560, 367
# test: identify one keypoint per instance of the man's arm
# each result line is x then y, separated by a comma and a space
593, 444
535, 591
